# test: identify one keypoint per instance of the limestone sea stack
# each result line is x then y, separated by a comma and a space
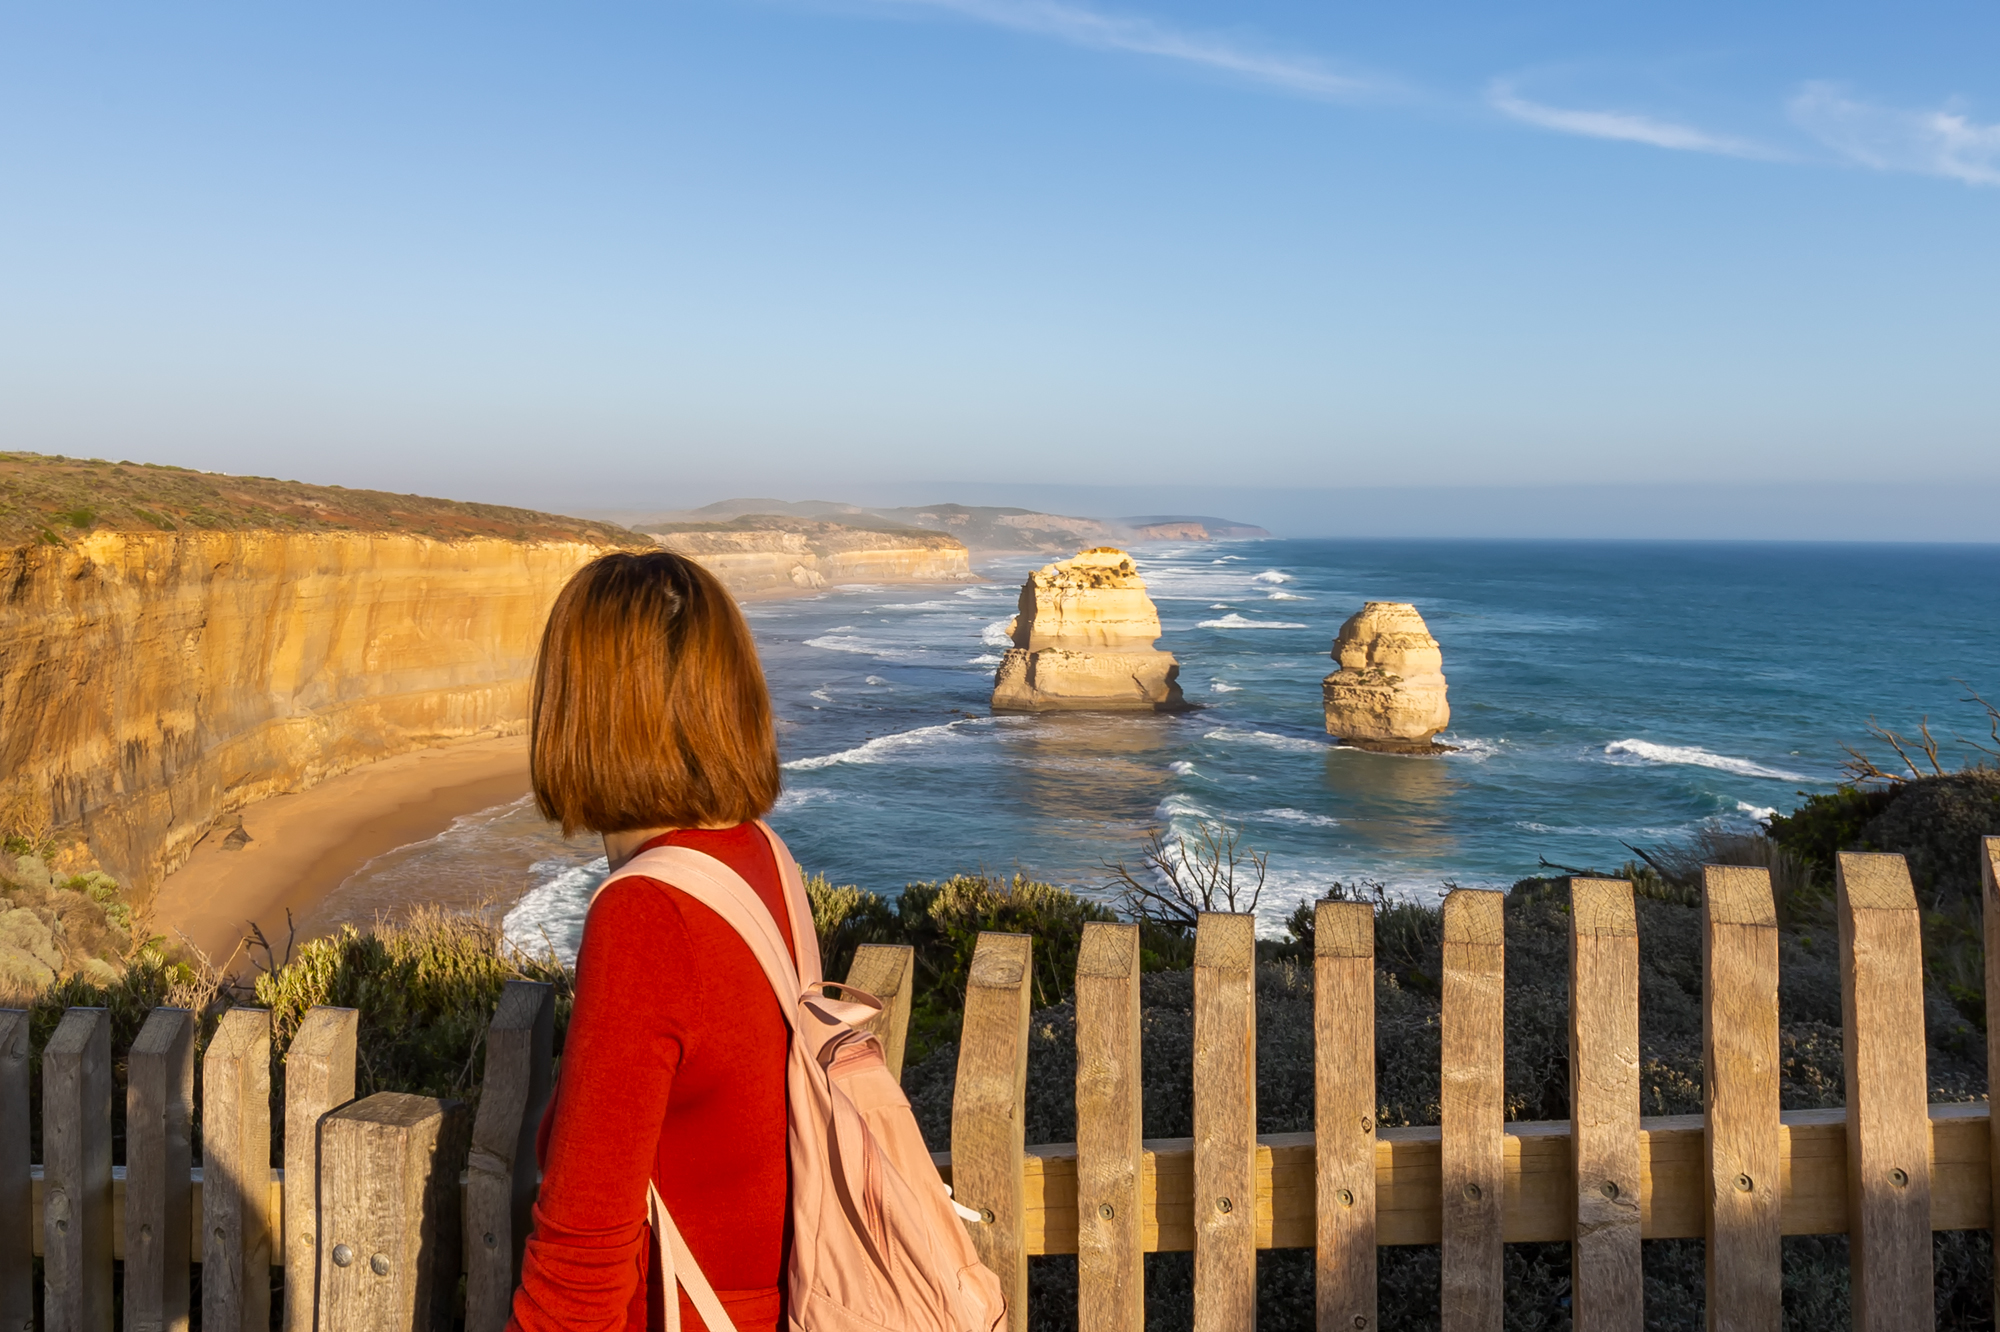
1389, 693
1084, 640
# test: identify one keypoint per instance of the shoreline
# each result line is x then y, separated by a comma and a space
303, 846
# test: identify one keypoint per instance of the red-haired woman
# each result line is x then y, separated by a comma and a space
651, 726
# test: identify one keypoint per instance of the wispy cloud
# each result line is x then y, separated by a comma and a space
1934, 143
1080, 26
1620, 125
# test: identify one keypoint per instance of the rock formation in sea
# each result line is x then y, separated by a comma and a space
1084, 640
1389, 693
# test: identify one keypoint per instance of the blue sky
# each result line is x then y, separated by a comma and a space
636, 254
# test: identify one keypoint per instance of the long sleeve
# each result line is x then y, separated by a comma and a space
628, 1036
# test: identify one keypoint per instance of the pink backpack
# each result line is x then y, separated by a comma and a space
878, 1245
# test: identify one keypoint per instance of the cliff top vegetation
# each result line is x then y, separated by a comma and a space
52, 500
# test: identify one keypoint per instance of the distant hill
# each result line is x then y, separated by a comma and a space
981, 527
1192, 527
52, 500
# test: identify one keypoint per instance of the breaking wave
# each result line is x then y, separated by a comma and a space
1290, 743
1235, 621
1272, 576
998, 634
1299, 816
1695, 757
876, 750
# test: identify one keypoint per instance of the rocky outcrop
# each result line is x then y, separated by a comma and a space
1083, 639
763, 556
1389, 693
152, 683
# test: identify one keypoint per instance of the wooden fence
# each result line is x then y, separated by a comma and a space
389, 1229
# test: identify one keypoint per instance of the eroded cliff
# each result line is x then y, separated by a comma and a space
150, 683
766, 555
176, 644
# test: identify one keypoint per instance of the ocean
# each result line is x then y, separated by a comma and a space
1602, 693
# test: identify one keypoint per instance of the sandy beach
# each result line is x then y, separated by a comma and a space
302, 846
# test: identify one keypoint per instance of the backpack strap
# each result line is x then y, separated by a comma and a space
678, 1271
805, 939
723, 891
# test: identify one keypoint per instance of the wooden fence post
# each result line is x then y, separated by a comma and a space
1989, 873
389, 1243
1739, 1031
17, 1240
159, 1108
1472, 1131
1888, 1120
887, 972
987, 1128
76, 1170
1344, 1114
1607, 1287
319, 1077
502, 1174
236, 1174
1110, 1247
1225, 1122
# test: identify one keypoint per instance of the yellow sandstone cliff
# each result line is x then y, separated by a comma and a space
150, 683
761, 556
1389, 693
1084, 640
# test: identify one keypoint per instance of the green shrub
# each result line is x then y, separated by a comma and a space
944, 921
425, 991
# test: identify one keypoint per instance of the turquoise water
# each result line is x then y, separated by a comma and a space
1601, 693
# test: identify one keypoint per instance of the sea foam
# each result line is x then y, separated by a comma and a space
1696, 757
1299, 816
1290, 743
1272, 576
1234, 621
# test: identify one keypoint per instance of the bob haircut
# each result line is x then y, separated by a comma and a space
649, 707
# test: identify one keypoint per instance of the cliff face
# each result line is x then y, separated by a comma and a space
766, 556
1083, 638
152, 682
1389, 693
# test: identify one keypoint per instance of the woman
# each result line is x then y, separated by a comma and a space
652, 727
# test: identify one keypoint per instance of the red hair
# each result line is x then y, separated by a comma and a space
649, 706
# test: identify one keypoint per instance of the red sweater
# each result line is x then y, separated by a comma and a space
674, 1070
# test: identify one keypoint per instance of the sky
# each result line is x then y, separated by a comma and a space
1700, 262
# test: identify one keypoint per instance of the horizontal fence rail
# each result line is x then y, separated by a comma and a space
374, 1225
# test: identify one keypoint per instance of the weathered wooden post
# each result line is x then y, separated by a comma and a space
1344, 1115
1607, 1286
1888, 1116
236, 1174
887, 971
1472, 1131
388, 1214
17, 1239
1110, 1247
988, 1109
319, 1078
1225, 1122
1739, 1031
1989, 873
76, 1171
502, 1175
159, 1107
